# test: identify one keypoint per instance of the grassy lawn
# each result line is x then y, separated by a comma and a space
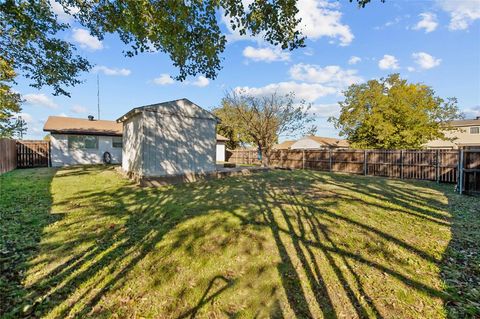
83, 242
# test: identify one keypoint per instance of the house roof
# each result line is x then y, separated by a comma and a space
183, 107
70, 125
222, 138
469, 122
284, 145
329, 141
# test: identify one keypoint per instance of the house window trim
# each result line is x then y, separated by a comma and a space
84, 144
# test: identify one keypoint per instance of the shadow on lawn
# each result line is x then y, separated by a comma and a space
91, 258
25, 204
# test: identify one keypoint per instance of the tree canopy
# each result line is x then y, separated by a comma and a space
261, 120
391, 113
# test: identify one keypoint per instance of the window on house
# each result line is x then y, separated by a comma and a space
82, 142
475, 130
117, 141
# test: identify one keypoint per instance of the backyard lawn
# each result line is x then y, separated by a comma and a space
84, 242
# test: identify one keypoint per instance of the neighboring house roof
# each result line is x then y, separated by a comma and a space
329, 141
70, 125
470, 122
221, 138
182, 107
283, 146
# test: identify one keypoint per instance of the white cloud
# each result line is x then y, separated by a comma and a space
111, 71
39, 99
307, 91
333, 75
472, 112
86, 41
321, 18
164, 79
267, 54
27, 117
326, 110
62, 16
462, 12
425, 61
354, 60
201, 81
388, 62
411, 69
62, 115
428, 22
78, 109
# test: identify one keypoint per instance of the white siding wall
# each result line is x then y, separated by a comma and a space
132, 145
177, 145
463, 138
62, 156
220, 151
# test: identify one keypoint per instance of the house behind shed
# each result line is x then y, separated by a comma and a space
175, 138
83, 141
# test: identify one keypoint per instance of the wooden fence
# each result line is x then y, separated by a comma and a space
434, 165
8, 155
33, 154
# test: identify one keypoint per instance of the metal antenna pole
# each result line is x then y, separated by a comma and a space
98, 96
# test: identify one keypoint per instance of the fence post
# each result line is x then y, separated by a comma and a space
401, 164
460, 173
437, 166
365, 164
303, 158
330, 159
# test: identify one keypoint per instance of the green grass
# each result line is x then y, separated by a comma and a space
84, 242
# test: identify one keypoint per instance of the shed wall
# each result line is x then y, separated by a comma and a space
305, 143
132, 144
177, 145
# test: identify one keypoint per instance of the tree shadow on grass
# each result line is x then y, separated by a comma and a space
25, 204
332, 261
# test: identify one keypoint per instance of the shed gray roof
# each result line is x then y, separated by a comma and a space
182, 107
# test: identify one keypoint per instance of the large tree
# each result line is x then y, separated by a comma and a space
262, 119
9, 100
391, 113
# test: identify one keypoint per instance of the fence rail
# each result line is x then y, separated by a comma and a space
33, 154
8, 155
434, 165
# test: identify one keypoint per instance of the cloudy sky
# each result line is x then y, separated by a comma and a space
434, 42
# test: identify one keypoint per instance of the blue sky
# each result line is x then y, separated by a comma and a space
434, 42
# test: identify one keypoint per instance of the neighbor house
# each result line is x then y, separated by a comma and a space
467, 136
318, 143
83, 141
170, 139
284, 145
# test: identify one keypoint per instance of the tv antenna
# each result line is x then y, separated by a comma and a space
98, 96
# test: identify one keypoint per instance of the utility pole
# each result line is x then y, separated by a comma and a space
98, 96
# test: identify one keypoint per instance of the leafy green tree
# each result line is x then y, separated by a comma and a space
261, 120
188, 31
20, 128
9, 100
391, 113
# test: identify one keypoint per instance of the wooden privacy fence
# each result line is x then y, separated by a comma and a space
33, 154
8, 155
435, 165
470, 172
